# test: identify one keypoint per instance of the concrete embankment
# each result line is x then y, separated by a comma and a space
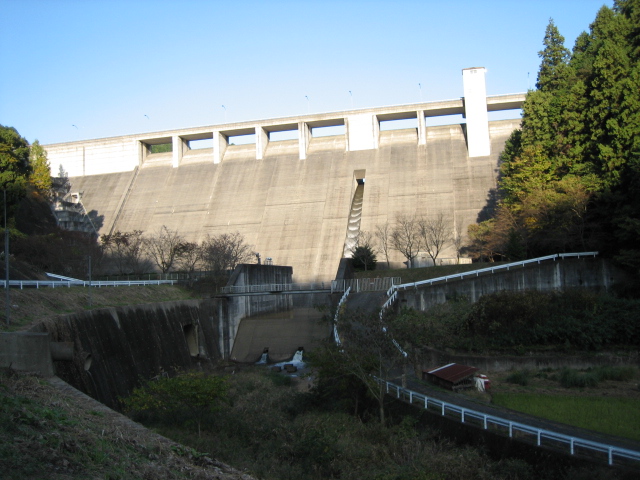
106, 352
591, 273
113, 348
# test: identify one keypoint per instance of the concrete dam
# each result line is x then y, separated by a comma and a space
290, 190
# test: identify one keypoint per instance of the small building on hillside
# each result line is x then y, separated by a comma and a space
451, 376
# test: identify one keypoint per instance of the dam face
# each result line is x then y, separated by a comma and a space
291, 199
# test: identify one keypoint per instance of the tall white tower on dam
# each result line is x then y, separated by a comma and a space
290, 189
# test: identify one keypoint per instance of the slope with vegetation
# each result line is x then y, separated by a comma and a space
49, 431
267, 425
569, 177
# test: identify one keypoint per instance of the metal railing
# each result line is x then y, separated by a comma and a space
343, 299
22, 284
365, 284
519, 431
482, 271
275, 288
355, 285
195, 275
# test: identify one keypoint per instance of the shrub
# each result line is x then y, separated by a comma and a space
618, 374
519, 377
573, 319
189, 395
570, 378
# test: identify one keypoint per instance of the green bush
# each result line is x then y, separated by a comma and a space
570, 378
187, 397
519, 377
616, 373
442, 326
274, 432
573, 319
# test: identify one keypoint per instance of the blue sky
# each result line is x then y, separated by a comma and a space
80, 69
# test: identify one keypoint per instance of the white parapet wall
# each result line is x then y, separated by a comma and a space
361, 132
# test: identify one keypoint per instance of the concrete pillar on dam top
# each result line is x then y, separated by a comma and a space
304, 135
262, 140
220, 144
422, 128
177, 145
475, 107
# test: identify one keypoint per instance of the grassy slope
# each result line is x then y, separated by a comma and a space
32, 305
49, 433
54, 433
613, 416
409, 275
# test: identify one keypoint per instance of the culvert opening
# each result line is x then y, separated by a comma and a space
87, 362
191, 336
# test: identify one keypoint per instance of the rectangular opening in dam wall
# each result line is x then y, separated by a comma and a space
200, 143
444, 120
283, 135
504, 115
242, 139
387, 125
330, 131
160, 148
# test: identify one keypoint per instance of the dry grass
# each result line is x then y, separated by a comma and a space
30, 306
417, 274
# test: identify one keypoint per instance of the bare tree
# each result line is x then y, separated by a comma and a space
364, 239
383, 235
125, 250
405, 237
163, 247
366, 351
458, 239
189, 256
223, 252
435, 234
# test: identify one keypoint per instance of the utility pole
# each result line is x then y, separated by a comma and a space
6, 263
90, 300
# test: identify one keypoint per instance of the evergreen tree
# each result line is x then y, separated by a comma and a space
14, 160
14, 167
364, 258
553, 69
612, 113
631, 10
570, 179
40, 176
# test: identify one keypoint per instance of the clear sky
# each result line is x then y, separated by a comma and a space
77, 69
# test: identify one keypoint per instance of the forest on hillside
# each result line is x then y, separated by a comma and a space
570, 176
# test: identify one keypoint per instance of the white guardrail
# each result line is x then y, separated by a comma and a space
336, 336
516, 430
476, 273
81, 283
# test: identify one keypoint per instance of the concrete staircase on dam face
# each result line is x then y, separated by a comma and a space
353, 225
297, 211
